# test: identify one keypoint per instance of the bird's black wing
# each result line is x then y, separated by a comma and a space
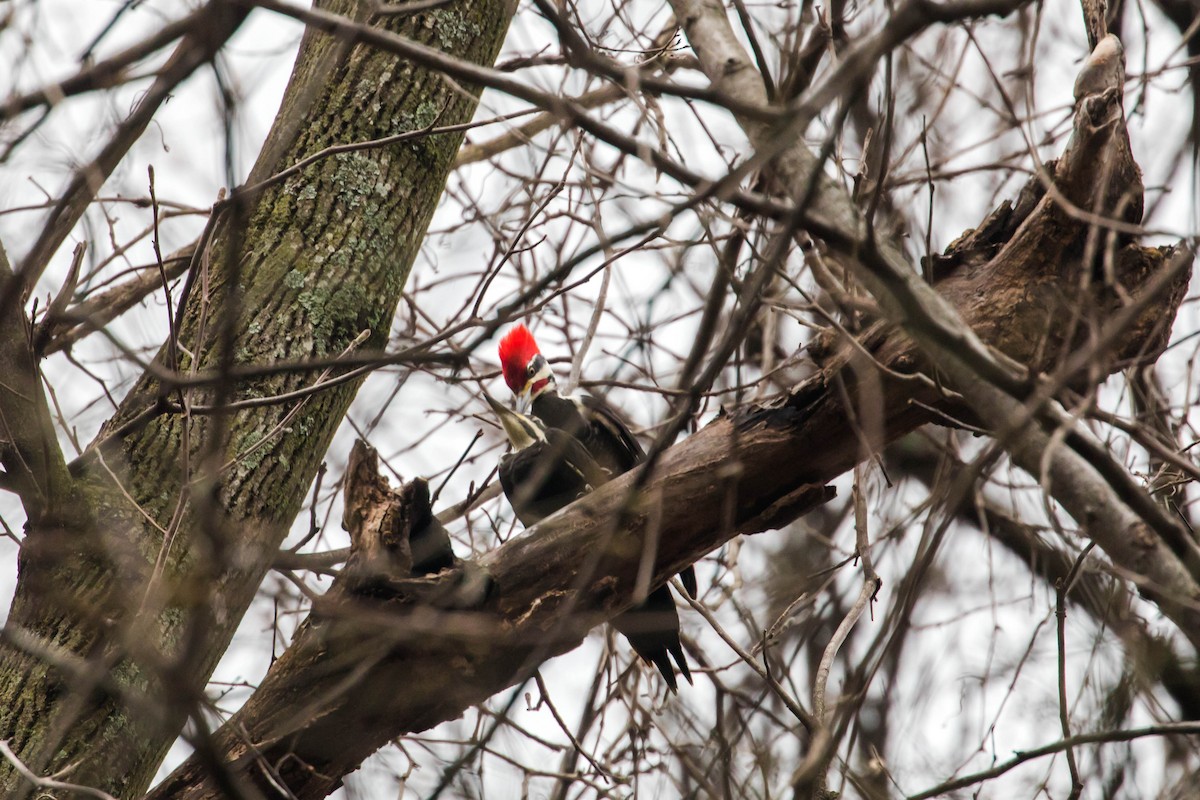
547, 476
610, 431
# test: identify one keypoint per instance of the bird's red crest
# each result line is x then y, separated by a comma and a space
517, 349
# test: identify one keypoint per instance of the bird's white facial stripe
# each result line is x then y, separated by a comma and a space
541, 377
532, 430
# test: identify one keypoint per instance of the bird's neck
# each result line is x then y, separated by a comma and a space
559, 412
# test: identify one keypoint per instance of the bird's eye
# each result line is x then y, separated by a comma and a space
531, 370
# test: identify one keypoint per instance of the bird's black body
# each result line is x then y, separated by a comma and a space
604, 434
552, 473
548, 475
594, 424
652, 628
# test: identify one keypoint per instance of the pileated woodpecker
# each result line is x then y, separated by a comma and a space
652, 627
546, 470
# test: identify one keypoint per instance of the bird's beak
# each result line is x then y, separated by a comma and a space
509, 420
523, 401
498, 407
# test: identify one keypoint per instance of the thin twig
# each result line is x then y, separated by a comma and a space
812, 771
1062, 587
808, 720
1168, 729
48, 783
541, 684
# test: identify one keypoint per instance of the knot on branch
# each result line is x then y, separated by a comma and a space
395, 541
1103, 71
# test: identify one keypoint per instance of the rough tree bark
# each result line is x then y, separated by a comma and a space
369, 666
190, 506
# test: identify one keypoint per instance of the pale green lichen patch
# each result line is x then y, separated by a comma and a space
453, 31
355, 176
295, 279
335, 313
424, 115
171, 622
247, 456
367, 95
303, 199
272, 266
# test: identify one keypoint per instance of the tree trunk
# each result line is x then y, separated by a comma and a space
134, 595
